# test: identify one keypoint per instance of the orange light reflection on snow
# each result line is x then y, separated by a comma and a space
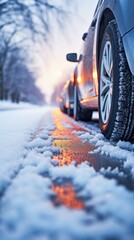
66, 195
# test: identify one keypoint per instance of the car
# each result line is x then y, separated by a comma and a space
66, 99
104, 75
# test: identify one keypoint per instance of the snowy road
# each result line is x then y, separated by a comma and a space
62, 180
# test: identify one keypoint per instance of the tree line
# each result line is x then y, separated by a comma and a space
22, 24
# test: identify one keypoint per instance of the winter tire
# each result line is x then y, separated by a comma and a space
64, 109
116, 87
76, 104
70, 111
80, 113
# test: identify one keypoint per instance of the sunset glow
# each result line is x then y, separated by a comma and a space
52, 63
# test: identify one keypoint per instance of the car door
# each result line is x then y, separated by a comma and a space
86, 69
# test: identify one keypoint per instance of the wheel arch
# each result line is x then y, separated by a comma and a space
120, 123
127, 37
106, 17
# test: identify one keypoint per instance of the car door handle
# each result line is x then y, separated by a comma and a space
93, 23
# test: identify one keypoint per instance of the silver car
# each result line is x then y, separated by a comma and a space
104, 76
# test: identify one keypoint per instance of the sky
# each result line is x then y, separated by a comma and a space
52, 63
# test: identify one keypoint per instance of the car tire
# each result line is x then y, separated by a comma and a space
80, 113
64, 110
76, 104
116, 88
86, 114
70, 111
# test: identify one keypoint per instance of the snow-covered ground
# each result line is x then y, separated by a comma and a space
28, 173
121, 150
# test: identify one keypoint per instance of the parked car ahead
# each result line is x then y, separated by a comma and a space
66, 99
105, 70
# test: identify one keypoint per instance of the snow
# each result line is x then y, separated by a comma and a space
38, 142
69, 126
122, 150
130, 164
7, 105
16, 128
28, 172
112, 172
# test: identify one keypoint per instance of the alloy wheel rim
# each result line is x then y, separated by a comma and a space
106, 82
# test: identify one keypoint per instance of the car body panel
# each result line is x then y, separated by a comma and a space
124, 14
87, 80
87, 69
105, 4
128, 41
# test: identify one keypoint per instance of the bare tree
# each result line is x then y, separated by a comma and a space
21, 81
34, 15
22, 20
7, 46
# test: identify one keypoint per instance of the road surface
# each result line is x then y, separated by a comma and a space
62, 180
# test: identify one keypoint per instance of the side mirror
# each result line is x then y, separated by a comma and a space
72, 57
84, 36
